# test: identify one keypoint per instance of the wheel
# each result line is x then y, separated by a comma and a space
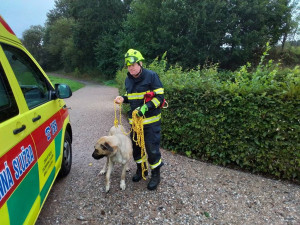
67, 156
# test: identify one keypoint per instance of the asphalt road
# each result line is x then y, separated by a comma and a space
191, 192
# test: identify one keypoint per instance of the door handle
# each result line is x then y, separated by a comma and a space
65, 107
36, 118
18, 130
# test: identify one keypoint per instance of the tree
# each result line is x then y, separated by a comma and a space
291, 27
77, 33
107, 55
107, 50
93, 35
199, 32
140, 30
32, 38
57, 31
229, 32
253, 23
96, 21
61, 10
59, 35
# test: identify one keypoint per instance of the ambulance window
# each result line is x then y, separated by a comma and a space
34, 85
8, 105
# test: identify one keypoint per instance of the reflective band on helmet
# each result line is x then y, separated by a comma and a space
149, 120
155, 165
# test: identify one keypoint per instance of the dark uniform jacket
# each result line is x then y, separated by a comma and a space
136, 88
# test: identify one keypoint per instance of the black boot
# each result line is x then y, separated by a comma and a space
138, 175
155, 179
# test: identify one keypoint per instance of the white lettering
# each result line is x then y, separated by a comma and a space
6, 181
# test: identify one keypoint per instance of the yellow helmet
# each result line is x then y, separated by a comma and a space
132, 56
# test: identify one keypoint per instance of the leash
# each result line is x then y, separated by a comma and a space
116, 122
137, 129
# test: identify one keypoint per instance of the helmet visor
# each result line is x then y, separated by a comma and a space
130, 60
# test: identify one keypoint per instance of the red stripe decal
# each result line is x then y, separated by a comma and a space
14, 166
64, 113
6, 26
46, 133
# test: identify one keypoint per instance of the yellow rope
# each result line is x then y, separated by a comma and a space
116, 122
138, 131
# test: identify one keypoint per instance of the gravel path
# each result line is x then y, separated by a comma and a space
191, 192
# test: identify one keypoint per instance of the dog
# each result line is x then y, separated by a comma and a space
113, 130
117, 147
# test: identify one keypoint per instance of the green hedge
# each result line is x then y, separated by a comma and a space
246, 119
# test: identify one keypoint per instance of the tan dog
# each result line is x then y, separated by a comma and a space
113, 130
117, 148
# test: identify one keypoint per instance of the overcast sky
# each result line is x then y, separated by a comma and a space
21, 14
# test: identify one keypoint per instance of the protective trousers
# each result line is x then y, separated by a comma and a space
152, 136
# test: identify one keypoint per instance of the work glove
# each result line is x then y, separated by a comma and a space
141, 110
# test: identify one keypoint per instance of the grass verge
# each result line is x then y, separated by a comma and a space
88, 77
74, 85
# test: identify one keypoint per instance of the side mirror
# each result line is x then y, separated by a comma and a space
63, 91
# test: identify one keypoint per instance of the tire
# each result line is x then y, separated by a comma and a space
67, 156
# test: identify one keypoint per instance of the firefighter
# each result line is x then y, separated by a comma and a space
138, 82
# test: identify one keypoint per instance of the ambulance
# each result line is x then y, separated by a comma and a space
35, 132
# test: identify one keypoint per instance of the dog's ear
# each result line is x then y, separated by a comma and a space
99, 142
108, 147
103, 147
112, 141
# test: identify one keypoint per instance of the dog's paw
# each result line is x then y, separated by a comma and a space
107, 188
122, 185
101, 172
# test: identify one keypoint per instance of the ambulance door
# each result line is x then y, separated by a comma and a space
45, 121
19, 181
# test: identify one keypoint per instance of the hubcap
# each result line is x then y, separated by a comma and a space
67, 150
